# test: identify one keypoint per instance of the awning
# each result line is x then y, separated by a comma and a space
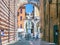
20, 30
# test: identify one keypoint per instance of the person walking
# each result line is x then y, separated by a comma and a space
36, 36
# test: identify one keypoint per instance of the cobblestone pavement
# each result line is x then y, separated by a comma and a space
31, 42
24, 42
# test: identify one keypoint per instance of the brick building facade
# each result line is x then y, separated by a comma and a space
8, 21
21, 17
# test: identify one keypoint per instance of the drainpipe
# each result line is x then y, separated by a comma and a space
9, 22
50, 1
49, 21
57, 17
14, 20
44, 19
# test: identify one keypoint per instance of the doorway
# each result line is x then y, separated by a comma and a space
56, 34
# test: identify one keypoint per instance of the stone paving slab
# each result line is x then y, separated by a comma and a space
21, 43
31, 42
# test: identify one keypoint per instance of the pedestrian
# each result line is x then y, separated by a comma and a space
33, 37
37, 36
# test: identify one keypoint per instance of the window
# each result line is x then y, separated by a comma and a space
20, 18
20, 10
18, 13
20, 25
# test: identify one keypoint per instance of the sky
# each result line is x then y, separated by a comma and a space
29, 8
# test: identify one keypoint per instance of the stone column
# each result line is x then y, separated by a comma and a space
25, 25
35, 29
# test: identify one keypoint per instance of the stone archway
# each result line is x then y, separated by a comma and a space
30, 3
34, 21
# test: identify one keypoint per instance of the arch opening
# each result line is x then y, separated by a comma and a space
30, 20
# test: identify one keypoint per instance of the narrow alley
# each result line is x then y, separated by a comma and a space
29, 22
32, 42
